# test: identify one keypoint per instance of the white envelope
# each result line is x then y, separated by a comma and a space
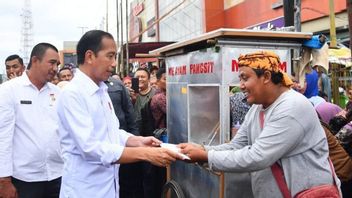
174, 148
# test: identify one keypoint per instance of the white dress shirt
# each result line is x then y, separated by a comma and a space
29, 141
91, 140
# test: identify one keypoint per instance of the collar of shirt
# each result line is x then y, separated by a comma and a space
90, 85
26, 82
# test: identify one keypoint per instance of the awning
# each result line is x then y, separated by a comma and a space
142, 48
340, 56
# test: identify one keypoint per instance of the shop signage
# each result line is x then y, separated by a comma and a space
273, 23
138, 9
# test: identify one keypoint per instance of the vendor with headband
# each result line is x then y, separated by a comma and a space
281, 127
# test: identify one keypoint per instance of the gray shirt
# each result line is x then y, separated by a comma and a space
141, 101
291, 135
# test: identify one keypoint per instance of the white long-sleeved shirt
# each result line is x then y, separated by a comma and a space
29, 141
90, 138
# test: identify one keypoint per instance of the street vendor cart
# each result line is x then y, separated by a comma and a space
200, 73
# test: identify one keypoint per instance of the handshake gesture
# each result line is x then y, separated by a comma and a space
161, 154
194, 152
187, 152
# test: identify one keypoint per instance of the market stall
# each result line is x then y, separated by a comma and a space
200, 73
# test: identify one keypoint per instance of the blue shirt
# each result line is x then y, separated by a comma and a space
312, 84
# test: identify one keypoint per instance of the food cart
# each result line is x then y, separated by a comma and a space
200, 73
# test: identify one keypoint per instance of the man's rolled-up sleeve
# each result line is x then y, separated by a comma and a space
78, 125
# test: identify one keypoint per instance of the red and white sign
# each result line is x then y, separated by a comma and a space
214, 67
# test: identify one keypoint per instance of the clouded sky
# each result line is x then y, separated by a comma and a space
54, 21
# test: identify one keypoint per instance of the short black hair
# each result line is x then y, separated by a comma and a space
39, 51
336, 123
65, 68
160, 72
154, 67
14, 57
91, 40
276, 77
144, 69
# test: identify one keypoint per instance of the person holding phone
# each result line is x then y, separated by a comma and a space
146, 92
135, 85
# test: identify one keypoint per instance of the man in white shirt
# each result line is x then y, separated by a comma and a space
30, 159
92, 143
14, 66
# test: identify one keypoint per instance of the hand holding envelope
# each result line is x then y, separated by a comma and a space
174, 148
195, 152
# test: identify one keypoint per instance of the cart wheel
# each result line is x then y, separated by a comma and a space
175, 187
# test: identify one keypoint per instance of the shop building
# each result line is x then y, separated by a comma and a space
177, 20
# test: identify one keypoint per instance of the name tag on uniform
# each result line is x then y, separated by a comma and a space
26, 102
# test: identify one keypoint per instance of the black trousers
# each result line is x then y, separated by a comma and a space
131, 180
44, 189
154, 178
346, 188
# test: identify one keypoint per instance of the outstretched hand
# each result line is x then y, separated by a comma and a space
196, 152
139, 141
150, 141
161, 156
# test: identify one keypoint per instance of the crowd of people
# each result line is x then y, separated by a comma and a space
78, 132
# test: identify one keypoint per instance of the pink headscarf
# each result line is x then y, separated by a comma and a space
327, 111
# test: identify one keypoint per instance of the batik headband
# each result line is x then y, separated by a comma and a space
266, 60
